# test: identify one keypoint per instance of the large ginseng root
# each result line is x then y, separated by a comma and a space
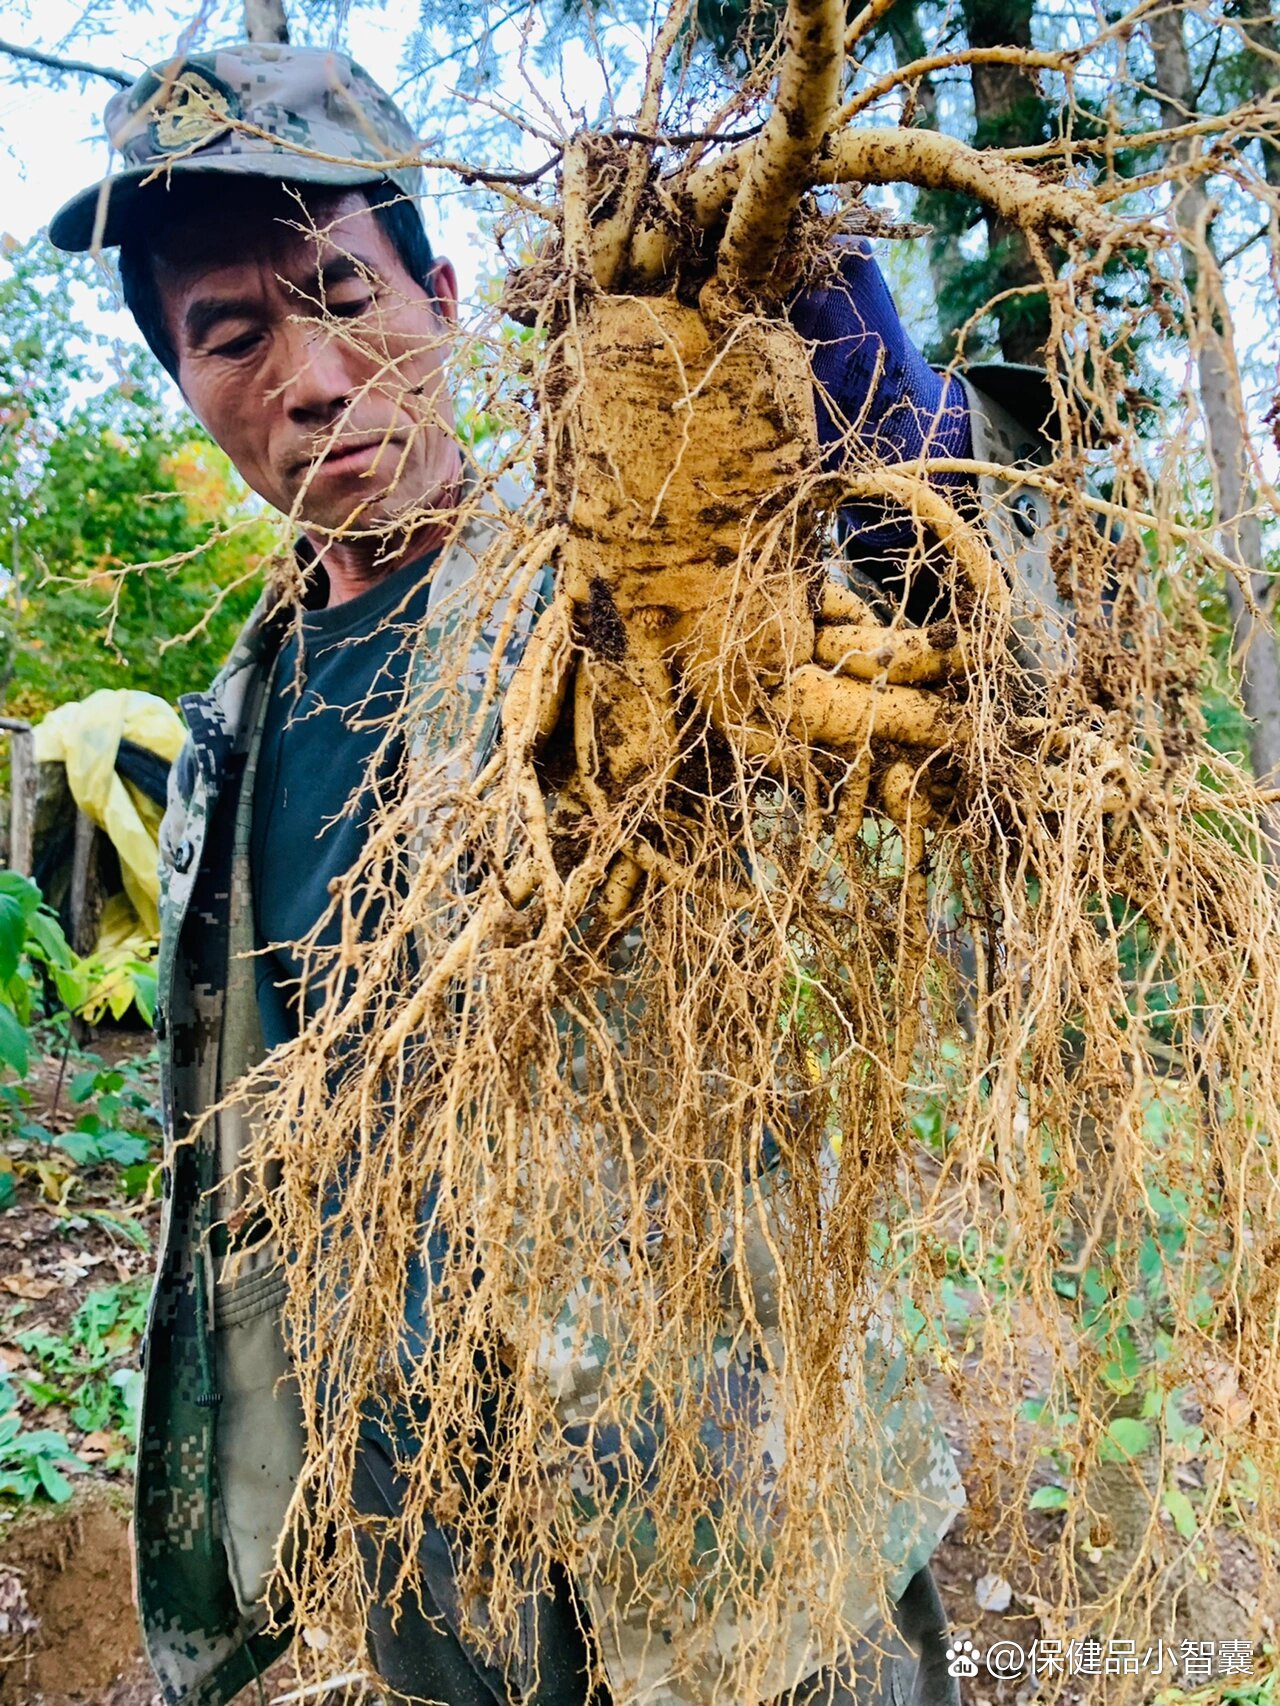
754, 883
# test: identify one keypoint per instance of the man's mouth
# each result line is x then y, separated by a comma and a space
351, 456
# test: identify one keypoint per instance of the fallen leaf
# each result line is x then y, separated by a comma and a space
98, 1444
54, 1180
30, 1286
993, 1593
15, 1613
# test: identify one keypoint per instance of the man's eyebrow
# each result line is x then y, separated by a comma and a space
206, 312
338, 269
341, 269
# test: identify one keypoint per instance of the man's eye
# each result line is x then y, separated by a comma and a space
353, 307
237, 346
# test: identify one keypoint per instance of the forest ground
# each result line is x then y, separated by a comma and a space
78, 1241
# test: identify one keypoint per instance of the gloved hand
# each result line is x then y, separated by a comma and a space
874, 388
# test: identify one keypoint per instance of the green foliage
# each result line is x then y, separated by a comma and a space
103, 478
86, 1376
41, 977
42, 982
120, 1129
33, 951
1261, 1690
91, 1371
31, 1459
117, 1130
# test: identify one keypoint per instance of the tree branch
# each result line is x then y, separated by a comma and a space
56, 62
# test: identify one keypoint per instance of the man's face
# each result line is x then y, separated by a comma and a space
314, 360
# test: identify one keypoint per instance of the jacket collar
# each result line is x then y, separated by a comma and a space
219, 718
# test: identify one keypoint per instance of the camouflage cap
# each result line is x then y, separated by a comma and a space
301, 114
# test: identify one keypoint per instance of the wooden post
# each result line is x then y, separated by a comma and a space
86, 891
22, 794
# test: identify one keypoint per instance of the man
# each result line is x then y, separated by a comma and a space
299, 307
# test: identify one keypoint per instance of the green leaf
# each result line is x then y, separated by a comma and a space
42, 1392
81, 1146
129, 1382
93, 1411
44, 930
16, 996
14, 1050
1049, 1499
141, 1180
83, 1085
125, 1148
53, 1481
20, 889
1125, 1438
46, 1443
72, 984
1182, 1511
13, 935
144, 994
926, 1123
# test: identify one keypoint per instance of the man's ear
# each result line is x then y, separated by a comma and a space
444, 287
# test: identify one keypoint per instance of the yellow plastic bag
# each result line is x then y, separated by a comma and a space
85, 737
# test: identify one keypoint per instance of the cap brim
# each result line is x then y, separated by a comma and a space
104, 214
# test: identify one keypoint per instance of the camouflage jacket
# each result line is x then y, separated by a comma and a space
218, 1441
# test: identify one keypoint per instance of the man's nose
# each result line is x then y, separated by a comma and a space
319, 374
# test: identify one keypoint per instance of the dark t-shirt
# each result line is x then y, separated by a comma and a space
332, 690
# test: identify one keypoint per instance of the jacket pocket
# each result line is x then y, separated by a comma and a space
259, 1426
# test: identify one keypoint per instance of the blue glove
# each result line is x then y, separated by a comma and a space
902, 412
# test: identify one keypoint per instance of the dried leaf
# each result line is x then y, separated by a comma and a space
993, 1593
54, 1179
30, 1286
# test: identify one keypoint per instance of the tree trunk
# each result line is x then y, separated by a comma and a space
1239, 531
1010, 112
265, 20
